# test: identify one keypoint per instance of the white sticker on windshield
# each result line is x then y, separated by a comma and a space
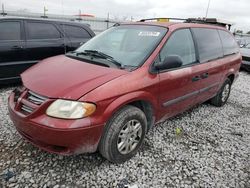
149, 34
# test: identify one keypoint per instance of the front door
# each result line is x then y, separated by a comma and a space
178, 88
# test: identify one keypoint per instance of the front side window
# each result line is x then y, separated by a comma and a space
10, 30
37, 30
180, 43
129, 45
209, 44
228, 42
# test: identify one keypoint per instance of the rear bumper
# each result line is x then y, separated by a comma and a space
56, 140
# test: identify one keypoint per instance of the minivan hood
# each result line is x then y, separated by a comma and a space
64, 77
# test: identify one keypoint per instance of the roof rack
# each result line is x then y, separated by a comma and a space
213, 21
161, 18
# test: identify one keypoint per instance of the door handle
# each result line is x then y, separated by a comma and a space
205, 75
17, 47
196, 78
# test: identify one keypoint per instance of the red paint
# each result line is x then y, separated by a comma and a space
109, 89
76, 77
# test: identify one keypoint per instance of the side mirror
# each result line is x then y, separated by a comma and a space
170, 62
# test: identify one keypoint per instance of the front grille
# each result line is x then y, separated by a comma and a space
27, 109
30, 101
35, 98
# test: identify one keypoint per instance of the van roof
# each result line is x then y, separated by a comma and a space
176, 25
208, 21
44, 19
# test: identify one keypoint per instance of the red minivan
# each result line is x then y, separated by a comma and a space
108, 93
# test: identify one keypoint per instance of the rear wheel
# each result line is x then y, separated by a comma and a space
222, 96
123, 134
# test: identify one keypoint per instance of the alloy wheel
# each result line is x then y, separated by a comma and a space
129, 137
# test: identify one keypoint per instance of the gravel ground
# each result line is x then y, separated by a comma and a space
212, 150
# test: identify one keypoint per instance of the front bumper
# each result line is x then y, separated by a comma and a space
51, 134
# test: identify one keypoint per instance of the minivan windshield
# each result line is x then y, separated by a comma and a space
127, 45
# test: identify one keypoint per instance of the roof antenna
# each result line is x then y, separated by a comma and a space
63, 27
207, 8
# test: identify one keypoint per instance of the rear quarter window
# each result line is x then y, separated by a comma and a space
228, 43
208, 43
75, 32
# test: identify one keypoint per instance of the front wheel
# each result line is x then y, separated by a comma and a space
222, 96
123, 134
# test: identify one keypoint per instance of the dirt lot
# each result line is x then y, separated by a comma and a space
213, 150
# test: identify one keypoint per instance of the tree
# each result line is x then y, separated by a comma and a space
248, 32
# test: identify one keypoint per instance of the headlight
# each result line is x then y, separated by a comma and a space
66, 109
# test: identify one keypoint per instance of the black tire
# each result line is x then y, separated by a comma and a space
219, 99
108, 145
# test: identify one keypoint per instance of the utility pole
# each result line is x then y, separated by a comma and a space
79, 18
80, 15
207, 8
3, 13
108, 21
44, 12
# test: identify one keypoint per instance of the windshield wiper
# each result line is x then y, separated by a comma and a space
101, 55
77, 53
95, 52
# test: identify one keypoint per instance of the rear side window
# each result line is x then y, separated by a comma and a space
229, 44
209, 44
10, 30
180, 43
75, 32
42, 31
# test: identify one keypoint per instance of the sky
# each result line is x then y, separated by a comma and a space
237, 11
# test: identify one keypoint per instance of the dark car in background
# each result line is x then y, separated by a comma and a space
245, 52
24, 42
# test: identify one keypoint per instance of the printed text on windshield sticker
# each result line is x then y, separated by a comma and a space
148, 34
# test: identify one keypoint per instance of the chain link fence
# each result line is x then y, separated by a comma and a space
96, 24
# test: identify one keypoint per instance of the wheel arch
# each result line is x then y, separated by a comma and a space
142, 100
231, 77
231, 74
